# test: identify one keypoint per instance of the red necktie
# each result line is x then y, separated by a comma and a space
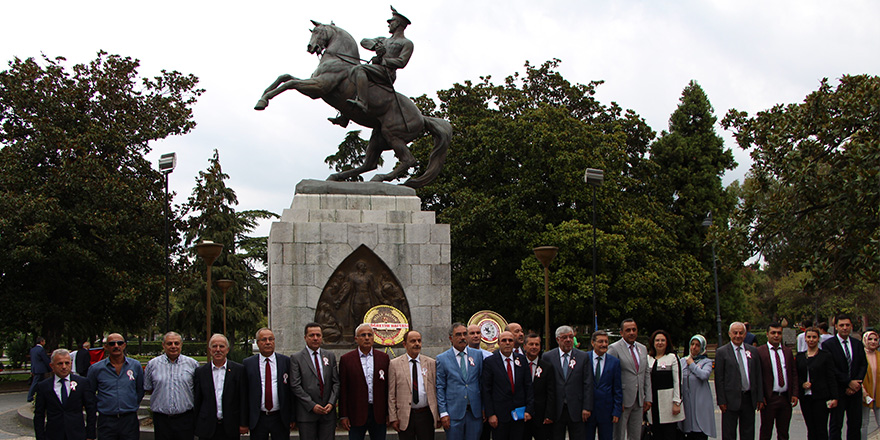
510, 375
268, 385
779, 373
320, 376
632, 349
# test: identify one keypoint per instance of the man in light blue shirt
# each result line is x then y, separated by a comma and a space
169, 378
118, 382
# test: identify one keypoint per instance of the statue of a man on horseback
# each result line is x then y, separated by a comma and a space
364, 93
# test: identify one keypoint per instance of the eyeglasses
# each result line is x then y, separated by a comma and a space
116, 343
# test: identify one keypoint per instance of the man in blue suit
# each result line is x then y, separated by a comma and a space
39, 366
266, 404
458, 387
607, 388
507, 386
62, 401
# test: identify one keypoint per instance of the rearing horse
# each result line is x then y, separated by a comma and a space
394, 118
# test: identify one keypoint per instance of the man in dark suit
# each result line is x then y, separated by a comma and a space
851, 365
607, 388
39, 366
266, 399
62, 400
83, 360
217, 394
540, 427
363, 388
780, 384
574, 386
506, 385
314, 381
738, 385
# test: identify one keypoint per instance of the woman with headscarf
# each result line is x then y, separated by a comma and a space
696, 396
818, 390
665, 373
871, 384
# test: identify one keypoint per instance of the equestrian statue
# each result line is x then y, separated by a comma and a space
364, 93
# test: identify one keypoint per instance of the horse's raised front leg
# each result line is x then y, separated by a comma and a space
264, 100
371, 158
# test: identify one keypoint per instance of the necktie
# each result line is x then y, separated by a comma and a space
463, 366
846, 349
780, 375
63, 391
268, 385
598, 367
632, 350
565, 367
532, 367
510, 375
415, 381
742, 369
320, 376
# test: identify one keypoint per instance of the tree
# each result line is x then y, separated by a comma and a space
811, 201
691, 159
243, 259
82, 226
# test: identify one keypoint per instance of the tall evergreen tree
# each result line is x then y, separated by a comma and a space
212, 217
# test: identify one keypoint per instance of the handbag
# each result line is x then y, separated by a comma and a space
647, 434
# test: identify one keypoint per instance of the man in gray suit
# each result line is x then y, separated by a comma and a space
574, 386
636, 381
739, 392
314, 381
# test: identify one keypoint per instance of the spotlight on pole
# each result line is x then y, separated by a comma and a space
594, 177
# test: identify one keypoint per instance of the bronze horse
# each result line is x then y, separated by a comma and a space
394, 118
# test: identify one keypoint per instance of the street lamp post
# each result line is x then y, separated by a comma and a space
545, 255
224, 286
706, 223
594, 177
167, 162
209, 251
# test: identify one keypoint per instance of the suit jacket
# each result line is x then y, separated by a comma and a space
252, 391
205, 402
454, 391
821, 372
39, 360
577, 389
636, 383
498, 399
83, 362
400, 388
791, 372
608, 389
728, 382
64, 420
845, 372
353, 397
304, 383
544, 390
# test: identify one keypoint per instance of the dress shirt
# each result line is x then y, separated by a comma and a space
467, 366
367, 366
563, 362
117, 393
274, 380
219, 374
423, 394
58, 386
601, 365
533, 367
776, 387
740, 350
171, 383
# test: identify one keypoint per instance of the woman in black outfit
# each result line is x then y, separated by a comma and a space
818, 386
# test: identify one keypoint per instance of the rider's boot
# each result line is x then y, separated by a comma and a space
357, 101
339, 120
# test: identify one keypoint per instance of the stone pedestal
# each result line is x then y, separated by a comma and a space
326, 223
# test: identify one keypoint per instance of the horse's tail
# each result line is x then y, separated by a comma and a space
441, 130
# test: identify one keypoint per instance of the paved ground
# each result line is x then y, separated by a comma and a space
11, 428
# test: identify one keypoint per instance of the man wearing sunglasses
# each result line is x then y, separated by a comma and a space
118, 382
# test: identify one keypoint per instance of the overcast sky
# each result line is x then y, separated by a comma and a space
747, 55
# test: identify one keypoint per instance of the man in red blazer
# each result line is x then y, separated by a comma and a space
779, 374
363, 395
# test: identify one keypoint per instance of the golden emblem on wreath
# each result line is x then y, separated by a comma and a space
491, 325
389, 324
